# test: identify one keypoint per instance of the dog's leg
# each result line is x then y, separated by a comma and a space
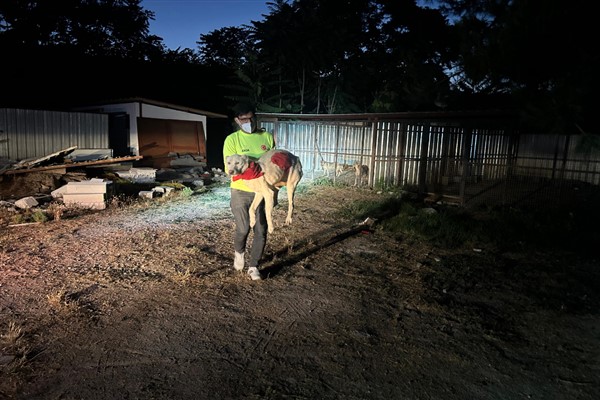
291, 190
262, 191
269, 207
275, 197
253, 207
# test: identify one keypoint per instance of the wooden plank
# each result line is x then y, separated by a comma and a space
73, 165
60, 153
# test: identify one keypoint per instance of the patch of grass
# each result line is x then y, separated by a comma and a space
11, 336
121, 200
300, 188
14, 344
388, 206
446, 227
18, 218
323, 181
182, 276
39, 216
174, 185
452, 227
186, 192
56, 210
60, 301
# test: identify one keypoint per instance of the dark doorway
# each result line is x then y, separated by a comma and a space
118, 134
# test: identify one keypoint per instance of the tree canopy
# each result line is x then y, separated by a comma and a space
315, 56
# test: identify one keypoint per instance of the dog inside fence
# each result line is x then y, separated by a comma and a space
361, 174
332, 167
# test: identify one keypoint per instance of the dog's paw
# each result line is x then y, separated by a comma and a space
270, 229
288, 221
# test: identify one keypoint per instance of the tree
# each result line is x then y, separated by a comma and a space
105, 28
226, 47
534, 53
83, 49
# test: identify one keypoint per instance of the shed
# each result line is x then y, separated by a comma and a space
156, 130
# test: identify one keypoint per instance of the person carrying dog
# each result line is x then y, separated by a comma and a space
253, 142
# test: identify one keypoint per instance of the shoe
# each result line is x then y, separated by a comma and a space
254, 274
238, 261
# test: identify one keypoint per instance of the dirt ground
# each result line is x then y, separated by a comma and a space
142, 302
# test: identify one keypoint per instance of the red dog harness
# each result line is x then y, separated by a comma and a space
281, 160
252, 172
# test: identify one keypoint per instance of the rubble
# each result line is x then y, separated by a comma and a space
87, 178
26, 202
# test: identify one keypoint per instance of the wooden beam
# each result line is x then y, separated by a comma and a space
72, 165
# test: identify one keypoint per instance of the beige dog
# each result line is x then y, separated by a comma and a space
330, 167
361, 172
274, 169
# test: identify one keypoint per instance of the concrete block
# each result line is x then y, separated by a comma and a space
146, 194
26, 202
87, 187
85, 200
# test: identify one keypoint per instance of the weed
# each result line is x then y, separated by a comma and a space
186, 192
60, 302
175, 185
12, 335
39, 216
323, 181
12, 344
56, 210
19, 219
182, 276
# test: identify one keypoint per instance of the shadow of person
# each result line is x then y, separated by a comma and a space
310, 245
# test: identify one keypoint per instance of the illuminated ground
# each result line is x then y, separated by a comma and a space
142, 303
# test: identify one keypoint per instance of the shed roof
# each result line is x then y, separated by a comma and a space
157, 103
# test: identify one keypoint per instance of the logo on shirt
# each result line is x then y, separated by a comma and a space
264, 147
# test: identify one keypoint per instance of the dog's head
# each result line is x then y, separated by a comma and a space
236, 164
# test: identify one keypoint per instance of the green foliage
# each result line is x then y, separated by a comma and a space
39, 216
378, 56
323, 181
174, 185
502, 228
18, 219
186, 192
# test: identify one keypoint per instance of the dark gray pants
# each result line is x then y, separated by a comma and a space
240, 204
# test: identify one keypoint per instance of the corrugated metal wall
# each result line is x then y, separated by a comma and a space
468, 160
28, 134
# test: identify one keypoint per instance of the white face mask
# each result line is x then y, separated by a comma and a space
247, 127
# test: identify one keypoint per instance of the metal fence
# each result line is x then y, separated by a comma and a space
469, 159
35, 133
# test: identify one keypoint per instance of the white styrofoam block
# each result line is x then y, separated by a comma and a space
85, 200
147, 194
86, 187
